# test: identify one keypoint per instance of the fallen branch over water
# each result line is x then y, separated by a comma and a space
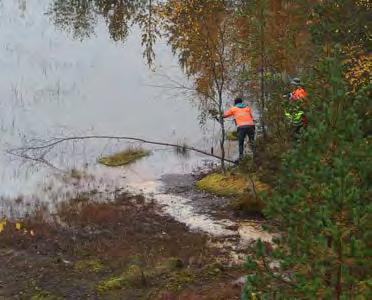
48, 145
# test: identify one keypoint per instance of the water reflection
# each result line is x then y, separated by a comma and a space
80, 17
53, 86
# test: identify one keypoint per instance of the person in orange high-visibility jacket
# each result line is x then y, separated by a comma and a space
298, 94
244, 122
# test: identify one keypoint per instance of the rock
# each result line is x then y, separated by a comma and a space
240, 282
195, 262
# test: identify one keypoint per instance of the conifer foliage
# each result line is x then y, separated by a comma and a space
322, 207
321, 203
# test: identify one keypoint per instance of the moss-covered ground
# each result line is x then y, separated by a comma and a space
220, 184
244, 189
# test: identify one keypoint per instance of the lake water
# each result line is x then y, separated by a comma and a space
52, 85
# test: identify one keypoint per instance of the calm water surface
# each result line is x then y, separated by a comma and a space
53, 85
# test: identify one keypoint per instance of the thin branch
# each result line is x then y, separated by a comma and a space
271, 273
49, 145
35, 159
180, 86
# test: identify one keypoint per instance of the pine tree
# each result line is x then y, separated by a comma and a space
321, 205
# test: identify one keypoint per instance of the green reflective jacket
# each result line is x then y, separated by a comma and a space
294, 112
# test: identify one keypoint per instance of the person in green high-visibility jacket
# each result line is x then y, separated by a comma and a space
294, 112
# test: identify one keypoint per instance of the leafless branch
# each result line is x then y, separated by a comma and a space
24, 151
273, 275
38, 159
176, 85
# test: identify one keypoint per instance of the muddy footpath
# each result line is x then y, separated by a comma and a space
166, 243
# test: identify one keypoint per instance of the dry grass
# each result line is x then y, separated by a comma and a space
121, 249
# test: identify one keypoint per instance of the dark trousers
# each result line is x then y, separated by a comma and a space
244, 131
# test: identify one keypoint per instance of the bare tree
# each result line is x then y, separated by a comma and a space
200, 35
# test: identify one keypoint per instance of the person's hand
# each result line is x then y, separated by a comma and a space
213, 112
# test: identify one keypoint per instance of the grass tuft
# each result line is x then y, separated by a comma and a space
232, 135
239, 187
113, 283
223, 185
175, 263
182, 150
248, 204
88, 265
133, 276
43, 295
124, 157
178, 280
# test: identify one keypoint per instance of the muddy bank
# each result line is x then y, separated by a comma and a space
125, 249
201, 211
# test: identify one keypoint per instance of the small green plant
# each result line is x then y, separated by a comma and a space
232, 135
44, 295
88, 265
175, 263
133, 276
178, 280
110, 284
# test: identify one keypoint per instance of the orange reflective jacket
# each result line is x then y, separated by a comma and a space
243, 116
298, 94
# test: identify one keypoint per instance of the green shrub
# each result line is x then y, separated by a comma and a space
321, 205
248, 203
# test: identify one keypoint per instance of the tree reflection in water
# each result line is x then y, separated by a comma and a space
80, 17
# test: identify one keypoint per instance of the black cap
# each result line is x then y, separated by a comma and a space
296, 81
238, 100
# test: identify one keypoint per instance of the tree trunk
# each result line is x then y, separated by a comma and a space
262, 96
223, 132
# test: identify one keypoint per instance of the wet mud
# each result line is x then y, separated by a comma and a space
124, 249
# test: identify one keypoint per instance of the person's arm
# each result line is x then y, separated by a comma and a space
228, 113
298, 94
293, 96
250, 112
